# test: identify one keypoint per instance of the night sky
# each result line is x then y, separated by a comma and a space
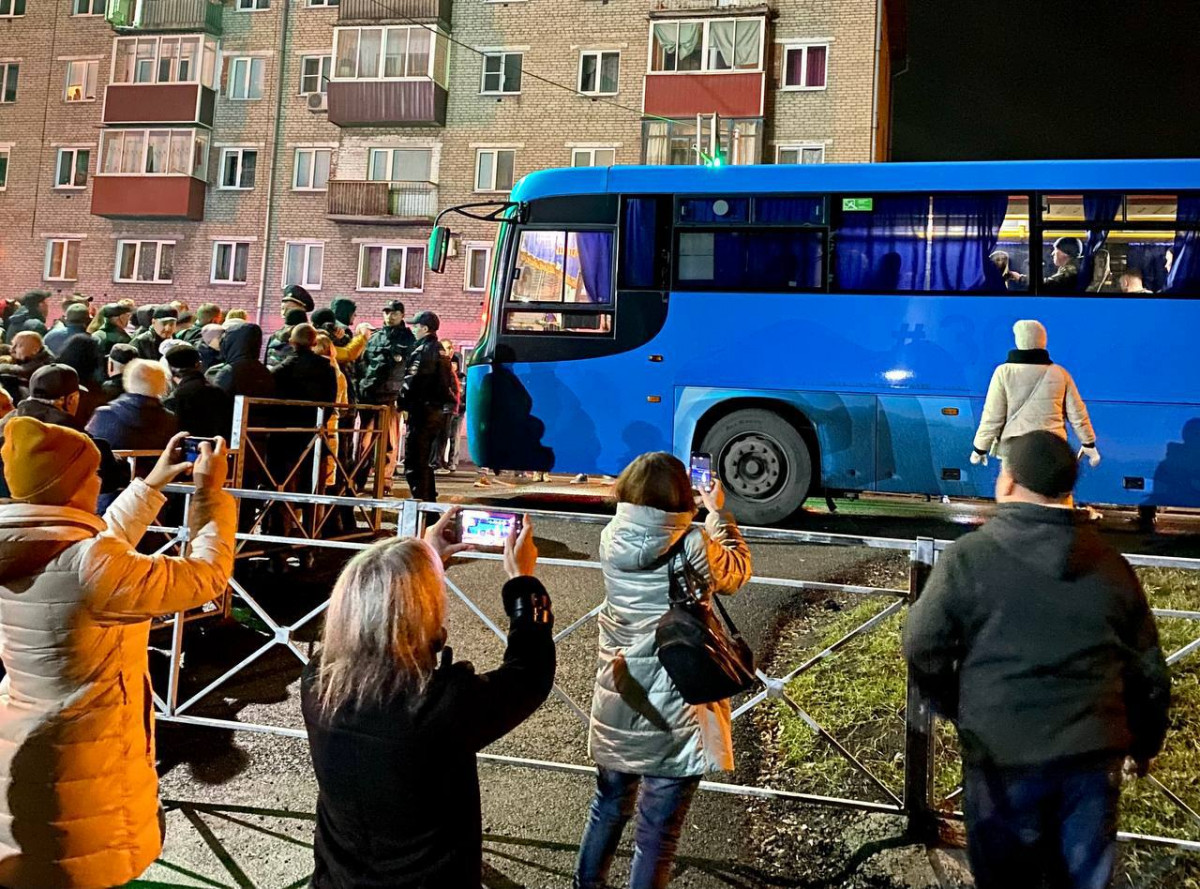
1022, 79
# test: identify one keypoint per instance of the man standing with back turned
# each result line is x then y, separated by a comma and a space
1035, 638
424, 395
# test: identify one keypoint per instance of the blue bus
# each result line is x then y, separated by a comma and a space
832, 329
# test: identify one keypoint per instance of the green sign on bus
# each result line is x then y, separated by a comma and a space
852, 204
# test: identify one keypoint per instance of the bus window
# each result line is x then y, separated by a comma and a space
557, 322
694, 210
751, 259
645, 243
562, 268
796, 211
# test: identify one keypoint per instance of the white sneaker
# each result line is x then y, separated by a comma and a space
580, 479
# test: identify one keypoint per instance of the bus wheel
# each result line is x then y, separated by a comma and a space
763, 463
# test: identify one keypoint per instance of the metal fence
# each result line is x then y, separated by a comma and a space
917, 801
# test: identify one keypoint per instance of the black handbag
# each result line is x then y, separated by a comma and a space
705, 662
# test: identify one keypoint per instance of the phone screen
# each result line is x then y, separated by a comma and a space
483, 528
701, 471
191, 448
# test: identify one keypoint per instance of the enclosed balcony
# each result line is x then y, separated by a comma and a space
706, 66
164, 15
398, 203
389, 76
429, 11
151, 174
162, 79
186, 103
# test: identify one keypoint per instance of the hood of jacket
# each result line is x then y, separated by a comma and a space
47, 412
242, 343
639, 536
1046, 540
32, 535
343, 309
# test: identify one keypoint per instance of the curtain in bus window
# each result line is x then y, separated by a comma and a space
796, 210
883, 248
593, 253
1184, 276
966, 230
1097, 209
638, 243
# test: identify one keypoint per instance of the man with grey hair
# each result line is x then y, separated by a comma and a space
29, 355
137, 420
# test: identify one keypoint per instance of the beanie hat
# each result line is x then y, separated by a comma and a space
143, 315
1043, 463
321, 317
1029, 335
295, 316
122, 353
78, 314
183, 357
34, 298
1070, 246
166, 347
344, 309
46, 464
210, 333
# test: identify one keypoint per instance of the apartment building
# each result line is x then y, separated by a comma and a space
156, 149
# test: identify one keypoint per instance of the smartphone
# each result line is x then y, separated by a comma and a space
485, 529
191, 447
701, 471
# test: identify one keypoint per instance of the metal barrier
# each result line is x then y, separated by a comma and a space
917, 801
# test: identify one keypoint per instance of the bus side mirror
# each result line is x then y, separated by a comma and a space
439, 247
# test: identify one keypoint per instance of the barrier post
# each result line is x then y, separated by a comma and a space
918, 735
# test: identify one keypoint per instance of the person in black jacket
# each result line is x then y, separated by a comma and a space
394, 723
303, 376
162, 327
74, 322
202, 409
82, 353
379, 379
1035, 637
30, 317
241, 373
137, 420
118, 356
424, 394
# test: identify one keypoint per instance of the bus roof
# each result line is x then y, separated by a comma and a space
1015, 176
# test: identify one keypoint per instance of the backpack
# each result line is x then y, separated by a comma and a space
705, 662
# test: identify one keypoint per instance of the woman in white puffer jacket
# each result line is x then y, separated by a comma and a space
642, 731
1030, 393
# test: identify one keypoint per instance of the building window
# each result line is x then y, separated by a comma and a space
237, 168
674, 141
312, 169
164, 60
706, 45
3, 169
383, 53
501, 74
72, 170
154, 152
314, 74
599, 73
81, 81
303, 264
399, 165
478, 265
494, 169
804, 67
145, 262
62, 259
8, 82
87, 7
253, 5
246, 78
323, 2
9, 8
391, 268
800, 154
593, 157
229, 262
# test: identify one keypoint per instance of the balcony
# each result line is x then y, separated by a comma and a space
406, 11
186, 103
148, 197
729, 94
398, 203
164, 15
387, 103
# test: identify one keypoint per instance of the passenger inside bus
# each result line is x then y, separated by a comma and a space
1065, 258
1131, 281
1013, 280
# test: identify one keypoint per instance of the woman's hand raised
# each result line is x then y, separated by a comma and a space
442, 537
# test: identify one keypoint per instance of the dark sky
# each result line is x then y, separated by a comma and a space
1018, 79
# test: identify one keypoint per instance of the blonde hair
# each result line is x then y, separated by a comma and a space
383, 628
323, 345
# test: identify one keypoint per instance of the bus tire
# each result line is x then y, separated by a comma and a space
763, 463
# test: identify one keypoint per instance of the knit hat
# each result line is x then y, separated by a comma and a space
1070, 246
211, 333
321, 317
1029, 335
343, 309
295, 316
122, 353
46, 464
78, 314
183, 357
1042, 462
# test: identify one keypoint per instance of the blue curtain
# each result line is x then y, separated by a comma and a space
883, 249
595, 265
963, 264
1097, 208
637, 243
794, 210
766, 260
701, 210
1184, 276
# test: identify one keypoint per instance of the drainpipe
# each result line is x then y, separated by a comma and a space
276, 128
875, 83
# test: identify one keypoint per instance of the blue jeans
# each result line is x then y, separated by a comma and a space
663, 806
1053, 825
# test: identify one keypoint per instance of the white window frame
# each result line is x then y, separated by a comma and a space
204, 74
6, 154
307, 247
321, 4
195, 135
324, 73
91, 74
591, 150
137, 261
4, 69
91, 4
436, 49
486, 250
234, 245
247, 63
253, 5
599, 54
502, 54
60, 274
384, 248
705, 24
390, 151
312, 166
494, 152
12, 11
800, 147
58, 158
792, 46
240, 151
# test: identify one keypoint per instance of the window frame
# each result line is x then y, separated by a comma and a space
252, 6
91, 72
13, 13
307, 247
321, 4
91, 4
390, 151
591, 150
312, 169
508, 304
137, 257
599, 54
203, 74
705, 45
74, 152
249, 63
435, 38
65, 259
195, 135
502, 55
799, 147
6, 156
384, 248
6, 69
235, 244
804, 47
240, 151
324, 73
486, 250
494, 152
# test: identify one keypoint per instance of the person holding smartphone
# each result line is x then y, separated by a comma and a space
394, 723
